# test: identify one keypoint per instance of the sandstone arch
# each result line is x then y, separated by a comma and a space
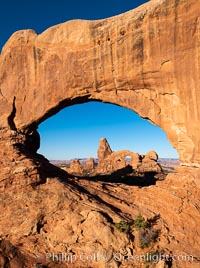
146, 60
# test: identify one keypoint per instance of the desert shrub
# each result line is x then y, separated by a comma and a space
147, 236
139, 222
123, 226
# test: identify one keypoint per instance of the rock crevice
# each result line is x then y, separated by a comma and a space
11, 117
153, 48
153, 69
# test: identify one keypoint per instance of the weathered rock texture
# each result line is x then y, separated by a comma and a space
110, 162
75, 167
90, 163
113, 161
103, 151
77, 217
146, 60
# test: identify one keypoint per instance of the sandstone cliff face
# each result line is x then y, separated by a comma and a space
146, 60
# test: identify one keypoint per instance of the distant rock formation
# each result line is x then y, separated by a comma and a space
104, 150
110, 162
75, 167
90, 164
114, 161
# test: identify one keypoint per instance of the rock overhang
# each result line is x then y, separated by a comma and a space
145, 60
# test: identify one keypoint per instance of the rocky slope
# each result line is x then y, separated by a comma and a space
146, 60
78, 217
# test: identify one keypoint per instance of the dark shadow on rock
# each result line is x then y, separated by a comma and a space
153, 221
126, 176
10, 256
44, 168
27, 144
47, 170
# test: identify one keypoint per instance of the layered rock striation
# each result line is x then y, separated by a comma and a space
146, 60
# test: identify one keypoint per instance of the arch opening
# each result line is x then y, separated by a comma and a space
123, 128
71, 137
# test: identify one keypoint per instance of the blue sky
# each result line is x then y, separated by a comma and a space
75, 131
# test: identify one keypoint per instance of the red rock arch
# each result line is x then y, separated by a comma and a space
146, 60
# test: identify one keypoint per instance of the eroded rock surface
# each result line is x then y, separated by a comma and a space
75, 167
110, 162
104, 150
114, 161
146, 60
77, 217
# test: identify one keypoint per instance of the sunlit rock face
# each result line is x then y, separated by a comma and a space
109, 161
146, 60
119, 163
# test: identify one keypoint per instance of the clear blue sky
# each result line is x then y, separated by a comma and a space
75, 131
